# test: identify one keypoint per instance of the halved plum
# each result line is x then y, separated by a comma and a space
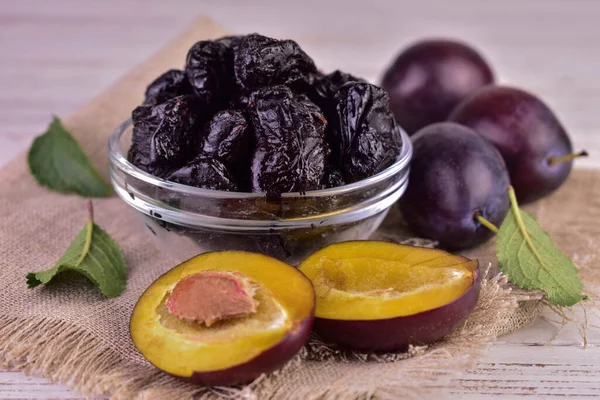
379, 296
224, 318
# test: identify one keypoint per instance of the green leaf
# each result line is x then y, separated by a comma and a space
531, 260
57, 162
94, 254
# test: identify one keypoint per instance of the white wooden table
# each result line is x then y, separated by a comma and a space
56, 55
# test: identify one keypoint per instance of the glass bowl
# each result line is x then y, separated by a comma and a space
186, 221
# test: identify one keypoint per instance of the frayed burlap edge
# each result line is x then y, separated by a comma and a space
65, 353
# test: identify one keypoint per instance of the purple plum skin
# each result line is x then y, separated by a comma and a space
396, 334
455, 174
428, 79
527, 134
268, 361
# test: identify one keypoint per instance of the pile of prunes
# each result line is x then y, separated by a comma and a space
253, 114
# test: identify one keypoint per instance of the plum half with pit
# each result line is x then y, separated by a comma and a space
428, 79
457, 179
224, 318
531, 139
379, 296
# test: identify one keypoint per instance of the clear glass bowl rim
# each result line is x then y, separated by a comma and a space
121, 162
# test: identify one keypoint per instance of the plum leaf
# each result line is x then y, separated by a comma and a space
532, 261
94, 254
57, 162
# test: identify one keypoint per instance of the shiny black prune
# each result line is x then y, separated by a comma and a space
260, 108
209, 72
323, 94
230, 42
171, 84
239, 100
145, 122
291, 149
366, 133
228, 139
138, 155
261, 61
165, 135
205, 172
326, 87
333, 177
310, 105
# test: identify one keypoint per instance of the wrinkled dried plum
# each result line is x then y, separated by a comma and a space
165, 135
291, 149
228, 139
230, 42
207, 70
323, 94
239, 100
333, 177
145, 122
367, 135
261, 61
205, 172
171, 84
310, 105
138, 155
326, 87
253, 113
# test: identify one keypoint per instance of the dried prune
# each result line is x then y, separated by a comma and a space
207, 70
165, 135
171, 84
138, 155
230, 42
366, 133
326, 87
145, 122
253, 113
310, 105
291, 149
228, 139
205, 172
239, 100
323, 94
333, 177
261, 61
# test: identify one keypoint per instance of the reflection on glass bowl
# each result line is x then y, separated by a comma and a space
186, 221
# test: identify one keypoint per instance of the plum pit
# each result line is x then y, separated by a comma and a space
210, 296
269, 315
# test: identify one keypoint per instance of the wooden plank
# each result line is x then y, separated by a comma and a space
516, 371
15, 385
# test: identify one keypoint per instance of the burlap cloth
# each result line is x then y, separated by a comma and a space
72, 334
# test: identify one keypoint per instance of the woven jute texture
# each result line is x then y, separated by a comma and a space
71, 333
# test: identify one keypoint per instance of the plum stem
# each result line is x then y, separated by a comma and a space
90, 208
485, 222
552, 161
